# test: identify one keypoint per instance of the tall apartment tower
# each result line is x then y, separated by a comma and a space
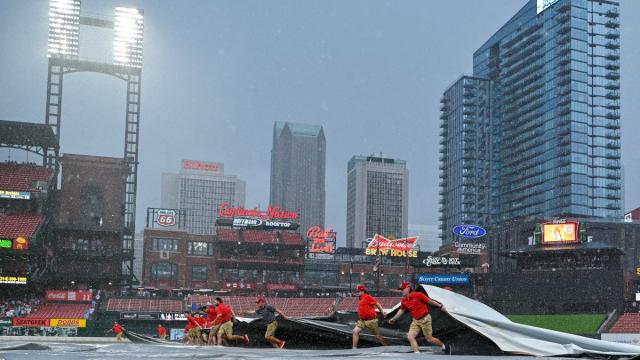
554, 75
377, 198
298, 171
199, 189
465, 155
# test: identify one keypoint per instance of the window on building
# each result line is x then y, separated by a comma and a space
200, 248
199, 272
162, 244
164, 271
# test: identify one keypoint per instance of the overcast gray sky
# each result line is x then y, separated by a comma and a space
218, 74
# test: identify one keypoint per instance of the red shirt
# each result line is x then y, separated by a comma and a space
225, 311
211, 313
366, 307
117, 329
192, 321
162, 331
416, 303
201, 321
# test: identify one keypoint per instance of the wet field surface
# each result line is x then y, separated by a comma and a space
71, 351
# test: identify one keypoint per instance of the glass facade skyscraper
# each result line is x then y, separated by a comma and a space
298, 159
465, 154
554, 78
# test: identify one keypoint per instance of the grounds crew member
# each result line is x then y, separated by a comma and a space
225, 317
162, 332
117, 329
213, 326
268, 313
416, 303
367, 317
192, 330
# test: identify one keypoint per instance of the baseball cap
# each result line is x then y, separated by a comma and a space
360, 287
404, 285
261, 299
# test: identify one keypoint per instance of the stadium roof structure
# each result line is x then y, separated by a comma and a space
31, 137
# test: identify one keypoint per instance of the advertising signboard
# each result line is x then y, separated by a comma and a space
469, 231
6, 322
68, 295
15, 195
442, 279
226, 210
386, 247
257, 224
13, 279
469, 248
68, 323
560, 232
322, 241
201, 165
166, 217
139, 316
441, 261
29, 322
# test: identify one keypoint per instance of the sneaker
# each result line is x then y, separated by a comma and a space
281, 345
245, 339
447, 349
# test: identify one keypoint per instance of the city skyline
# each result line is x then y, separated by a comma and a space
215, 121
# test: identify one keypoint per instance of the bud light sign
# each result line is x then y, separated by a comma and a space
469, 231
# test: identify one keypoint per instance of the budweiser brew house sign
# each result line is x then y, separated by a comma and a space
386, 247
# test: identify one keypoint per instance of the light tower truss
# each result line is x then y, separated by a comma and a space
63, 50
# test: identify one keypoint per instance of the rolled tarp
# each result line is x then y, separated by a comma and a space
517, 338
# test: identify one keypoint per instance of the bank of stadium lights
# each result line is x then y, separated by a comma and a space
64, 28
127, 40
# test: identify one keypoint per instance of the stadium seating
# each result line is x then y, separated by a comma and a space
227, 234
292, 307
257, 236
291, 238
14, 225
144, 305
59, 311
23, 177
627, 323
351, 303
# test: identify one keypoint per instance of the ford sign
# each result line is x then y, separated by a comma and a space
469, 231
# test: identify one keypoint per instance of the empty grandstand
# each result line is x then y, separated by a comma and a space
25, 210
627, 323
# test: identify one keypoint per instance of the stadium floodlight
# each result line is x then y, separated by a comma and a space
64, 28
127, 37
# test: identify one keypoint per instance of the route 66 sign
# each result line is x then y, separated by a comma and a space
166, 217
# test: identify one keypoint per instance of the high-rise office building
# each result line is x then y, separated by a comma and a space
298, 171
377, 198
554, 80
199, 189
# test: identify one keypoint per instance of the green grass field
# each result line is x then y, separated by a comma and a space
573, 324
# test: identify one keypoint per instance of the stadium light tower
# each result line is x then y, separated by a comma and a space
65, 20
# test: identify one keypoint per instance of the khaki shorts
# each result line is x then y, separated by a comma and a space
194, 332
214, 330
423, 325
226, 329
372, 325
271, 329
